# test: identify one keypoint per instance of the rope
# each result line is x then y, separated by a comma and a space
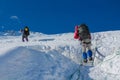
78, 71
79, 74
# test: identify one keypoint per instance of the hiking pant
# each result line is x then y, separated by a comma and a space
86, 48
25, 37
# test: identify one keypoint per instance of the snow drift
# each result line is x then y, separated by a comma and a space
57, 57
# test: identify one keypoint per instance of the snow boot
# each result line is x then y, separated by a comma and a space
85, 60
90, 58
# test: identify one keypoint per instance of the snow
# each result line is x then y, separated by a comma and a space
58, 57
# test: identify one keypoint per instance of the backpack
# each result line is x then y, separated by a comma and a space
83, 31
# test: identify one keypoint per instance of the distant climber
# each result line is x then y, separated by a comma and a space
83, 35
25, 33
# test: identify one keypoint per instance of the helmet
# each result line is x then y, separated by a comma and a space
26, 29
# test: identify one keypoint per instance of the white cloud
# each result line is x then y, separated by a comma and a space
13, 17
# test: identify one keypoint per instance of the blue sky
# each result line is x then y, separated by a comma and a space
59, 16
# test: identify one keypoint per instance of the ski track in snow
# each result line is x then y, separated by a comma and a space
57, 57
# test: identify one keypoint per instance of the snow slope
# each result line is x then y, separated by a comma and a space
57, 57
107, 56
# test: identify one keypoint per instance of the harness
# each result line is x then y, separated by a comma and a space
86, 42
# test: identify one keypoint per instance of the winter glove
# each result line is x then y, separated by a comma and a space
76, 35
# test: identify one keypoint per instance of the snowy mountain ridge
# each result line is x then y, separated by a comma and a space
57, 57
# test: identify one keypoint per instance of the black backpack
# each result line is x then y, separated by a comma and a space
84, 31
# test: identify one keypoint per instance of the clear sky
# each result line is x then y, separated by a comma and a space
59, 16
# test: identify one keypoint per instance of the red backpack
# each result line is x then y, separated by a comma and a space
76, 33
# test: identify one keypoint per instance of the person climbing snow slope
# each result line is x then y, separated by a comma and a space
83, 35
25, 34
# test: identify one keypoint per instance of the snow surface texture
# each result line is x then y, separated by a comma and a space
57, 57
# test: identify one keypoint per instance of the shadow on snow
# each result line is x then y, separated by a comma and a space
28, 64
